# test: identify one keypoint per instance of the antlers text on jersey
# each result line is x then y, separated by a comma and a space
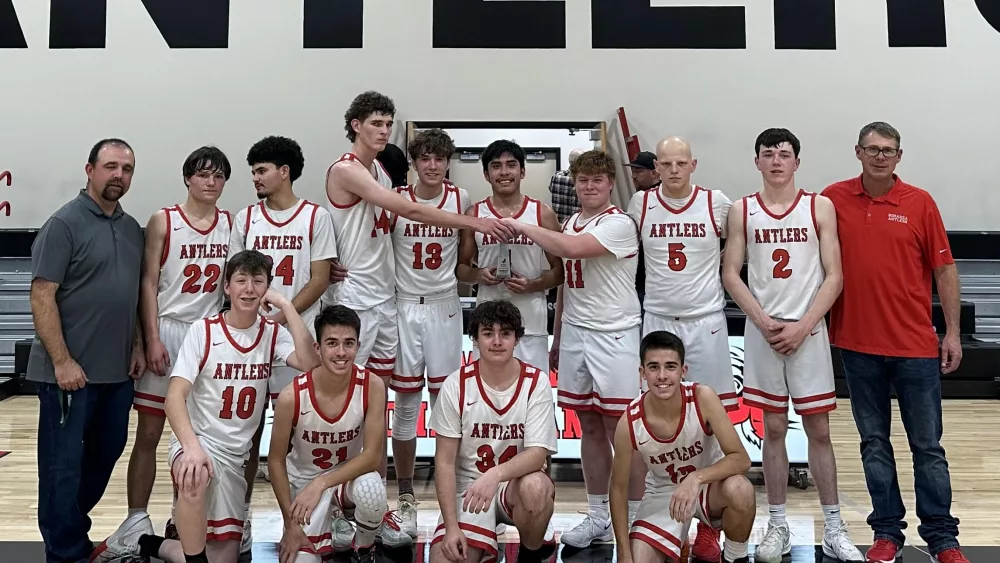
195, 251
678, 230
519, 239
330, 438
277, 242
680, 453
491, 431
242, 372
781, 236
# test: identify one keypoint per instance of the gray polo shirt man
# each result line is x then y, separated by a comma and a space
97, 261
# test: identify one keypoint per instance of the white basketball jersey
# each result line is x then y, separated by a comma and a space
228, 396
364, 246
192, 267
426, 255
784, 265
321, 443
670, 460
599, 293
288, 244
491, 434
526, 258
683, 258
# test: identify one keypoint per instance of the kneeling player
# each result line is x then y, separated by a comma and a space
214, 405
331, 420
495, 425
694, 459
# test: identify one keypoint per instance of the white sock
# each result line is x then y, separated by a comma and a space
831, 516
733, 550
633, 507
134, 511
777, 512
598, 507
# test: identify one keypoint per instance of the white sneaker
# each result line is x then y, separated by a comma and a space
124, 541
776, 544
550, 534
838, 545
390, 533
587, 532
406, 508
343, 533
246, 544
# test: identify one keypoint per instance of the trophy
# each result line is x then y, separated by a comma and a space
503, 264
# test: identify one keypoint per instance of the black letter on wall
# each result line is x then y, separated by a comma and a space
479, 24
191, 24
990, 9
77, 24
11, 36
634, 24
333, 24
916, 23
805, 24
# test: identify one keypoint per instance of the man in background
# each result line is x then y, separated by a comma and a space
894, 242
644, 178
87, 350
564, 201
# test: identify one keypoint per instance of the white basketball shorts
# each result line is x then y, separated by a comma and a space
430, 342
654, 525
321, 520
531, 349
706, 350
769, 378
379, 338
598, 371
225, 508
151, 390
480, 529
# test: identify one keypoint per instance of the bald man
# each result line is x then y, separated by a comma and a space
564, 201
681, 227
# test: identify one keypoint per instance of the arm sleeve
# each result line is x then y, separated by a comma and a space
52, 251
540, 427
934, 240
236, 241
324, 242
284, 346
191, 354
445, 418
721, 204
617, 233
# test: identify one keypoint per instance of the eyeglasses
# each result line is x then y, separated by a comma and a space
874, 151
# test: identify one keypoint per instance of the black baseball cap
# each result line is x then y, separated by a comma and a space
645, 159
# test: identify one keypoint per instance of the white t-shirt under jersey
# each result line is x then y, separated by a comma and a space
599, 293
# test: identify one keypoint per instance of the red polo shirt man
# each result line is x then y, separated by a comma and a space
892, 242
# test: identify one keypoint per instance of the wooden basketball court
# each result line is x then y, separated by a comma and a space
970, 439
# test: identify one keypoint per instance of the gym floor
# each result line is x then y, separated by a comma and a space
970, 434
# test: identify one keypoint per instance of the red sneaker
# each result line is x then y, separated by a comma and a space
706, 544
884, 551
953, 555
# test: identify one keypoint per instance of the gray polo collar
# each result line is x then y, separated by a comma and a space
91, 205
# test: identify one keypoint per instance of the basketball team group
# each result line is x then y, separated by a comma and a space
333, 304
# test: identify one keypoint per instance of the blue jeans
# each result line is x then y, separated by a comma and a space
81, 435
917, 382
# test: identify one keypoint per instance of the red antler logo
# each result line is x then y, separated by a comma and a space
5, 205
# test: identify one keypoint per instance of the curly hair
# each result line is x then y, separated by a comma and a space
279, 151
431, 141
593, 163
365, 105
499, 312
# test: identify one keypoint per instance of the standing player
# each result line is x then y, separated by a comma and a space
185, 255
331, 421
297, 235
789, 238
681, 227
218, 390
360, 198
430, 312
695, 463
495, 425
596, 331
533, 272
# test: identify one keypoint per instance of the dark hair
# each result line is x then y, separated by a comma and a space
252, 262
771, 138
661, 340
206, 159
499, 312
92, 157
279, 151
394, 161
496, 149
365, 105
337, 315
431, 141
594, 162
882, 129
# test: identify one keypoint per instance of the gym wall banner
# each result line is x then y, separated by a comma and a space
748, 421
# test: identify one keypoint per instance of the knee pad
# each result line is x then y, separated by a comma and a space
367, 492
404, 416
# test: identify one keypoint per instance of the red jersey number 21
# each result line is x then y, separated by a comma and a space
322, 457
574, 274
